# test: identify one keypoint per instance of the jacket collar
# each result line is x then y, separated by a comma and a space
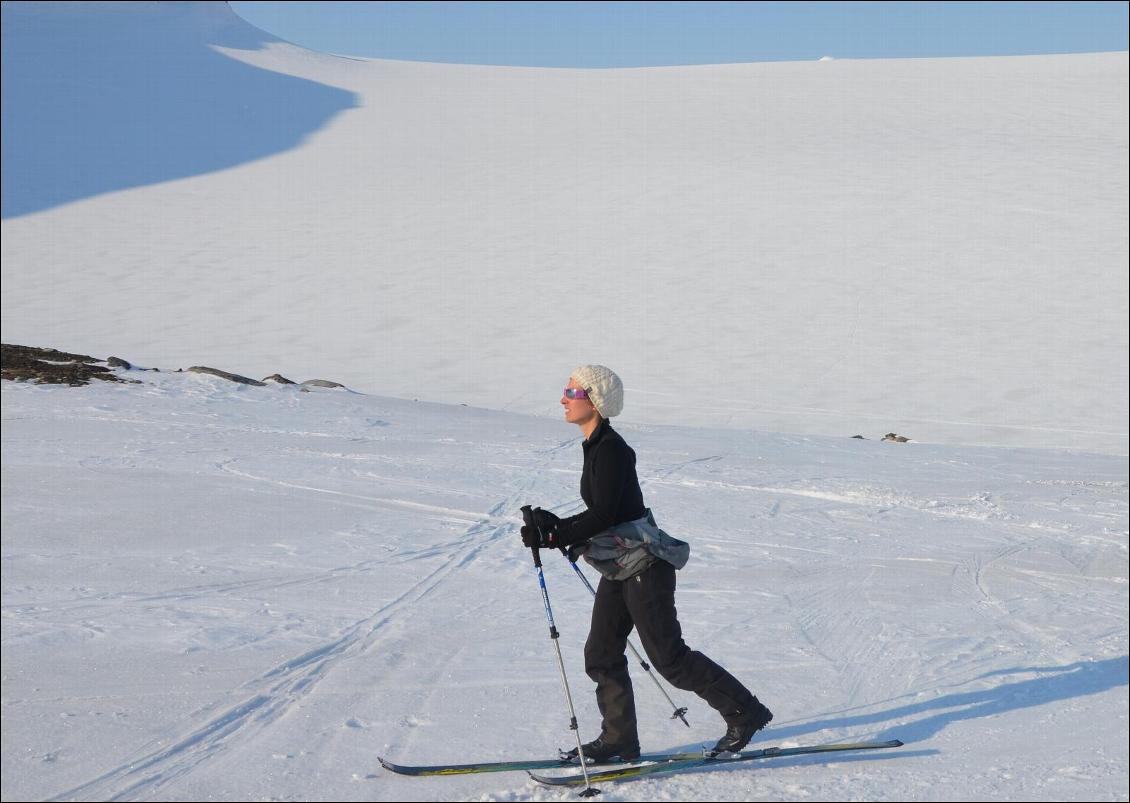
597, 434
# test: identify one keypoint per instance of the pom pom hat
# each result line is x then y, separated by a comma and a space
603, 387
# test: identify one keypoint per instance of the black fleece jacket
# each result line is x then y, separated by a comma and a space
609, 487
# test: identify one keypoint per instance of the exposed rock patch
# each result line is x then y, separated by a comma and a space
244, 380
33, 364
50, 366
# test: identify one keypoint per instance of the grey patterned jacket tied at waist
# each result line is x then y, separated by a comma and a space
625, 550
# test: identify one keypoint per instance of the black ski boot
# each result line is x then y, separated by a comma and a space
742, 723
599, 751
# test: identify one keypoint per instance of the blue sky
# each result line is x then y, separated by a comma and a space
635, 34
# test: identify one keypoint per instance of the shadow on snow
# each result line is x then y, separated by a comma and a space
919, 721
97, 100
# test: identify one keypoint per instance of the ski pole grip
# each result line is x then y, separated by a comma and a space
528, 517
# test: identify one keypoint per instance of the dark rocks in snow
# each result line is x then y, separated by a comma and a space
200, 369
277, 378
12, 352
890, 436
309, 383
50, 366
32, 364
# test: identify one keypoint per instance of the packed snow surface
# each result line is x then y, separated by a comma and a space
217, 591
214, 591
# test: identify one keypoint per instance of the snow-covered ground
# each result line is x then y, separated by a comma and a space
935, 247
215, 591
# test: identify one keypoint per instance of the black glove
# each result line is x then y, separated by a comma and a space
543, 533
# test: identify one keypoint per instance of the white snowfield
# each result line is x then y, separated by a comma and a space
214, 591
934, 247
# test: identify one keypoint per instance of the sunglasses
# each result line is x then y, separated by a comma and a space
575, 393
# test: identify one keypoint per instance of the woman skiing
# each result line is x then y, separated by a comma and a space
637, 562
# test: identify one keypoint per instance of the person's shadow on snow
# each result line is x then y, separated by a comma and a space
1039, 686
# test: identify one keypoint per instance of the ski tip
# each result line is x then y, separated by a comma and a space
393, 767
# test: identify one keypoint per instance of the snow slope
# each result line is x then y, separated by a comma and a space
932, 247
214, 591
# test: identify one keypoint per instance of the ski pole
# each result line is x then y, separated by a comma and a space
590, 790
679, 713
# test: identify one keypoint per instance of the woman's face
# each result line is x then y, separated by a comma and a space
577, 411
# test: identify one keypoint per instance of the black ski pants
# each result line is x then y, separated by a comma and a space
647, 603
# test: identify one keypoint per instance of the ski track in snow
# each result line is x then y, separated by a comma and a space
830, 538
465, 516
267, 698
270, 696
219, 591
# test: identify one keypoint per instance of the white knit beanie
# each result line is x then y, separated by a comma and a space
604, 388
